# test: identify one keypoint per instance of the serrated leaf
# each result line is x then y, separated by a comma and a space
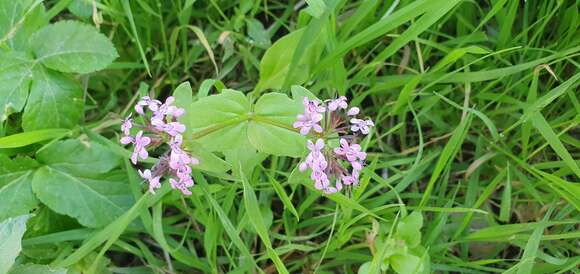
16, 197
55, 101
11, 232
93, 202
15, 77
78, 157
70, 46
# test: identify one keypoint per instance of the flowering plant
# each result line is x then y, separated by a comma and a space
329, 121
162, 128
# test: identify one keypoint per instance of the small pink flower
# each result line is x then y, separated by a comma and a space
181, 185
361, 125
351, 152
127, 125
153, 181
308, 121
339, 103
353, 111
140, 143
153, 105
312, 106
174, 128
125, 140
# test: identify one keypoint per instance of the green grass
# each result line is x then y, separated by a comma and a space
477, 113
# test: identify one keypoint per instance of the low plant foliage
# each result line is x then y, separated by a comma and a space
318, 136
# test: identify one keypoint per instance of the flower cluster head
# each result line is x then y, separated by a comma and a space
331, 120
160, 128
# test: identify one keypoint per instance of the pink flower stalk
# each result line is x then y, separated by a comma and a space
341, 164
162, 128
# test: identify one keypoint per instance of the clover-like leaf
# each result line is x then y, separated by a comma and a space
70, 46
55, 101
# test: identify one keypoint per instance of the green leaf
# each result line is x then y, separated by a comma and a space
55, 102
68, 184
299, 92
271, 130
551, 137
409, 229
81, 8
208, 161
217, 121
36, 269
315, 8
15, 77
276, 62
71, 46
258, 34
18, 20
78, 157
93, 202
406, 263
31, 137
16, 197
11, 232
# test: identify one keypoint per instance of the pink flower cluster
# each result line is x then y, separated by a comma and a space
343, 163
162, 128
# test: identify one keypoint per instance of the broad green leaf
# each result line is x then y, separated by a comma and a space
36, 269
15, 77
16, 197
31, 137
406, 263
271, 130
55, 102
78, 157
276, 61
218, 121
409, 228
299, 92
247, 155
208, 161
270, 137
18, 20
11, 232
93, 202
70, 46
81, 8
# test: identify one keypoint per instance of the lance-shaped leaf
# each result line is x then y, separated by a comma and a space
55, 101
70, 46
